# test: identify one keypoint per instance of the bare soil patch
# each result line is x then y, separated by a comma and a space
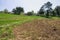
40, 29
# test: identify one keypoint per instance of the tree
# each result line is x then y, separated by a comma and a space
57, 9
47, 14
30, 13
14, 11
1, 11
46, 9
5, 11
18, 10
53, 13
41, 12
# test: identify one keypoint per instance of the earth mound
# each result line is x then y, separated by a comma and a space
41, 29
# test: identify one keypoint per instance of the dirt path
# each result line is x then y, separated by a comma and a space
44, 29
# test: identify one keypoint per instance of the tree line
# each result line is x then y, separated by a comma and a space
45, 11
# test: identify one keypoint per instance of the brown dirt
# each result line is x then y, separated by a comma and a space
43, 29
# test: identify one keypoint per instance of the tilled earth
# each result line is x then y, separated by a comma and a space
40, 29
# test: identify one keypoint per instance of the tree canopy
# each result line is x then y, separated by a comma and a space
45, 9
18, 10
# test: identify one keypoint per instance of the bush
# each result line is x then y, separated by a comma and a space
29, 13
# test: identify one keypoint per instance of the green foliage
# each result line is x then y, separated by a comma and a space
41, 12
30, 13
48, 5
53, 13
18, 10
45, 10
1, 11
5, 11
47, 14
57, 9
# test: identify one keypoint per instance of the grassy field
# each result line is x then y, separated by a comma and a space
9, 21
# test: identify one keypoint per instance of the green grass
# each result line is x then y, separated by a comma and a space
8, 21
9, 18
